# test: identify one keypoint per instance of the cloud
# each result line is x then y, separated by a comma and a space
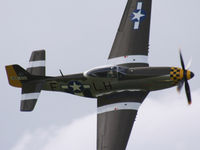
80, 134
167, 123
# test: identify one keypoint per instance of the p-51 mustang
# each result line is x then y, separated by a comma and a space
120, 88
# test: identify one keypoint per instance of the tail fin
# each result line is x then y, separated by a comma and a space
31, 80
31, 85
17, 75
37, 63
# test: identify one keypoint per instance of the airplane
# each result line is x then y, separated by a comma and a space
120, 87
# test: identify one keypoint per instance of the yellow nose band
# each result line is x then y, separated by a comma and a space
176, 74
189, 75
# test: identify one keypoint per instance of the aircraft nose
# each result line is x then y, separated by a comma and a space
190, 75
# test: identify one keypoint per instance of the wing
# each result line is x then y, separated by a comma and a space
116, 115
132, 40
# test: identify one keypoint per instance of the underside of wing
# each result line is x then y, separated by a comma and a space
116, 115
132, 39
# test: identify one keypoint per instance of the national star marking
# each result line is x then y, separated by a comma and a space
75, 87
137, 15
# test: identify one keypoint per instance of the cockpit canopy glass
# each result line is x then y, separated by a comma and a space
108, 72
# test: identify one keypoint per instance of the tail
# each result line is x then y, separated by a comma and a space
31, 80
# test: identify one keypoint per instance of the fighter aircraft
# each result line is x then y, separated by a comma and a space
120, 87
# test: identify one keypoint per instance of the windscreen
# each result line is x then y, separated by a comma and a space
108, 72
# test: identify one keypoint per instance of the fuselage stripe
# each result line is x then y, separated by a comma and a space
119, 106
128, 59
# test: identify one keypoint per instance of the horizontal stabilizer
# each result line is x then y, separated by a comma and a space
37, 63
30, 93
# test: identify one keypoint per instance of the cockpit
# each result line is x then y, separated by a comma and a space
107, 72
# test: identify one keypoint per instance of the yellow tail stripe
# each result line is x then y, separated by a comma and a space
12, 77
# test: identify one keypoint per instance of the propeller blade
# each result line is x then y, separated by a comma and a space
180, 86
188, 93
182, 62
189, 64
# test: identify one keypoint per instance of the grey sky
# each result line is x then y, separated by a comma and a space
77, 36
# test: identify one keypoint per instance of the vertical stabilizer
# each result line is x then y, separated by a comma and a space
31, 85
17, 75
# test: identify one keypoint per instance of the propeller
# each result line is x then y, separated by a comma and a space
189, 64
185, 80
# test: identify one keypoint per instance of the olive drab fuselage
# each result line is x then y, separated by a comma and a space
105, 80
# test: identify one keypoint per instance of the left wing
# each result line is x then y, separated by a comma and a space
131, 43
116, 115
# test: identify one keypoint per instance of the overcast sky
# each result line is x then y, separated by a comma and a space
77, 36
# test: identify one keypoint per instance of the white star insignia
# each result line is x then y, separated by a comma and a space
75, 87
137, 15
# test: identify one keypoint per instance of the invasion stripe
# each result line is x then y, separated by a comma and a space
30, 96
118, 91
118, 106
40, 63
128, 59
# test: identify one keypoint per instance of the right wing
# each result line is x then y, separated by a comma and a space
116, 115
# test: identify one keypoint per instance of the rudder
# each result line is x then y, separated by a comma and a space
17, 75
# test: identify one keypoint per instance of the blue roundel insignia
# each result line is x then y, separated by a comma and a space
75, 86
137, 16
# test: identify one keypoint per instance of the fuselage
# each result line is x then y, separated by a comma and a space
105, 80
